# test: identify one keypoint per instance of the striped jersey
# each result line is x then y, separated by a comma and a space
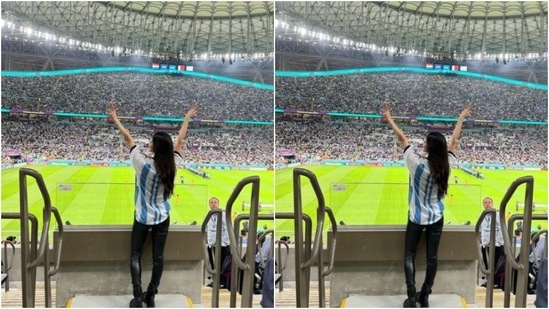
424, 206
150, 206
485, 231
211, 229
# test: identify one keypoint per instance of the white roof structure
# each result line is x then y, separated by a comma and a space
161, 28
433, 27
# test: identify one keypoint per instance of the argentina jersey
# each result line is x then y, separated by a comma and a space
424, 206
150, 206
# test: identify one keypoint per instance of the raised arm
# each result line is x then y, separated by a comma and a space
123, 131
457, 130
183, 131
398, 132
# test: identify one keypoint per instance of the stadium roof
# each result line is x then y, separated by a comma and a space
163, 27
435, 27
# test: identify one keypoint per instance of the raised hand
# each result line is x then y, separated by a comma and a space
466, 111
192, 112
386, 112
123, 131
112, 112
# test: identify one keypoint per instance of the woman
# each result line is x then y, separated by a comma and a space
154, 185
428, 187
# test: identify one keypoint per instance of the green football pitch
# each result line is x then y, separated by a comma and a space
104, 195
379, 195
357, 195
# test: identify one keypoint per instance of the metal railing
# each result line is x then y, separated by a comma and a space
7, 264
34, 252
235, 273
522, 266
491, 253
249, 265
544, 253
282, 262
216, 270
331, 255
260, 242
34, 232
525, 242
305, 256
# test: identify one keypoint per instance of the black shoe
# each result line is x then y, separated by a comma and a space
136, 303
423, 298
409, 303
149, 297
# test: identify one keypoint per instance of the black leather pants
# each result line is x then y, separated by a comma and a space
413, 233
139, 235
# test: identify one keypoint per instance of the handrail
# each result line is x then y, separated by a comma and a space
234, 268
259, 240
282, 266
522, 279
249, 266
42, 245
490, 272
524, 240
8, 264
59, 244
536, 237
332, 247
30, 260
314, 255
209, 215
478, 234
254, 180
529, 181
308, 222
320, 211
33, 239
216, 273
320, 261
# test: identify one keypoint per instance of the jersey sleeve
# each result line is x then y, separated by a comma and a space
137, 158
452, 160
411, 158
178, 159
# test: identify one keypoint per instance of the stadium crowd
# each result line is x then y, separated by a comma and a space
69, 140
374, 141
411, 94
137, 94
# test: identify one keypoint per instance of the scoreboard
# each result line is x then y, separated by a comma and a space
172, 67
447, 67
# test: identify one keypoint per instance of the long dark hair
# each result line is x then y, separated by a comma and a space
164, 162
438, 161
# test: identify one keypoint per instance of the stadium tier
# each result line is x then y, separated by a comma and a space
137, 95
411, 95
41, 140
347, 140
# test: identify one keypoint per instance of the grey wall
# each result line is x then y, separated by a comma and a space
113, 278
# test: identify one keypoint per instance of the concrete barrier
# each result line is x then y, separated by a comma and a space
369, 260
95, 260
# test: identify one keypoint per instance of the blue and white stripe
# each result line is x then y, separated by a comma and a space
150, 206
424, 206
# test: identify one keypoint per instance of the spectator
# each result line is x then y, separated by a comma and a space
211, 229
485, 226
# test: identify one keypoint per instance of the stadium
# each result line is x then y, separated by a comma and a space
317, 181
336, 65
63, 65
